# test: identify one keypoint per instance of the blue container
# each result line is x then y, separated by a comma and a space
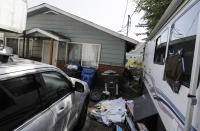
88, 76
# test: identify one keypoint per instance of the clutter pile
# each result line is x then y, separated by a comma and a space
110, 111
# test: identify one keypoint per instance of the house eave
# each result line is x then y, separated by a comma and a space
118, 35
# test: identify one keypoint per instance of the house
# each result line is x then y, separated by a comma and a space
56, 37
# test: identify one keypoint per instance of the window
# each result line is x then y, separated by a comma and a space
183, 37
19, 101
85, 54
27, 84
56, 86
21, 41
61, 50
1, 40
17, 45
13, 43
160, 48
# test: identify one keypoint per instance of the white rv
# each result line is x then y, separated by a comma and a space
13, 15
171, 66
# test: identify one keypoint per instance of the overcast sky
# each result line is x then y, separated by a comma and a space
107, 13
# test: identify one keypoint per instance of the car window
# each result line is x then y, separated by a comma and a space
56, 86
19, 101
27, 84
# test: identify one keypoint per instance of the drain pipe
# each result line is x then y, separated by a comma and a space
193, 82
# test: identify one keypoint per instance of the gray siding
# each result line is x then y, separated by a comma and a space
112, 47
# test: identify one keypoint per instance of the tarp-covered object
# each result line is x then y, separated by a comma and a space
174, 71
110, 111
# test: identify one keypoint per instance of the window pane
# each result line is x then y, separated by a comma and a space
21, 42
75, 51
85, 54
57, 86
61, 50
13, 43
27, 84
19, 101
90, 55
160, 48
183, 38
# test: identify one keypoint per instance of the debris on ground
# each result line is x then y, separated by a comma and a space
95, 95
110, 111
141, 127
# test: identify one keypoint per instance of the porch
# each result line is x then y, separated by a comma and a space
47, 46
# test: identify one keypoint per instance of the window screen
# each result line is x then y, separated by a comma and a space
160, 48
183, 37
56, 86
19, 101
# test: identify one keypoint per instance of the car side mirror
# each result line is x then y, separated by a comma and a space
79, 87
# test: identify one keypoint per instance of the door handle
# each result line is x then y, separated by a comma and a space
60, 110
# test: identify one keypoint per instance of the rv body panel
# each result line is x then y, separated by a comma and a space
13, 15
171, 106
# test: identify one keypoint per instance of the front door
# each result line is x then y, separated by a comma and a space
46, 52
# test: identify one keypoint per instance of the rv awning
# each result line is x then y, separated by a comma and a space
47, 33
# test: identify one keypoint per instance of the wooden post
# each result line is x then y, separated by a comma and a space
27, 47
51, 52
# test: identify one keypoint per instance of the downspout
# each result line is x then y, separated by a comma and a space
24, 43
193, 82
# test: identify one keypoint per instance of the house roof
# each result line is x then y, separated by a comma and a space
48, 33
44, 7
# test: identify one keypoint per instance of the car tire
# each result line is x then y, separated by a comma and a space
83, 116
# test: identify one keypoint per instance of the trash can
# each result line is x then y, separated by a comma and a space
88, 76
74, 70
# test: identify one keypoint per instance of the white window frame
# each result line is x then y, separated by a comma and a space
83, 43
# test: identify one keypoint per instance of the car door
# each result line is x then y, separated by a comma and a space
56, 94
20, 105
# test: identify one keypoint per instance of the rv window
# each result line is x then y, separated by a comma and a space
160, 48
183, 37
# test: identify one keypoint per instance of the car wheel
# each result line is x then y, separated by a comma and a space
83, 116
